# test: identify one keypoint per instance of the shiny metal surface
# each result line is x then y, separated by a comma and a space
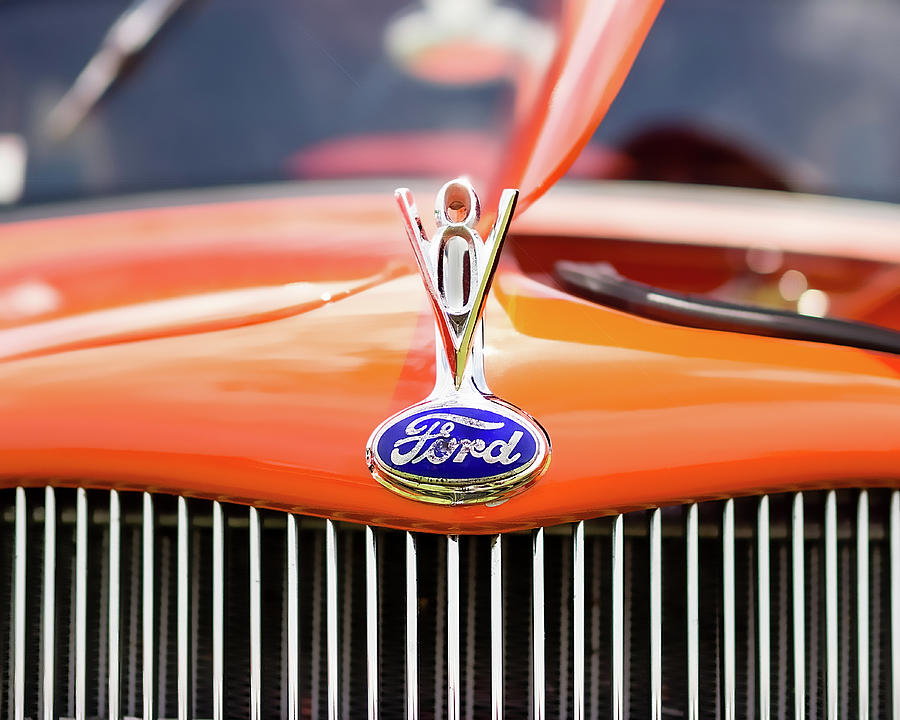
412, 630
293, 620
693, 613
831, 607
578, 621
115, 622
255, 619
895, 603
331, 614
235, 625
19, 607
147, 605
48, 625
862, 604
618, 620
183, 610
371, 622
798, 595
728, 650
81, 581
537, 624
497, 627
456, 318
453, 688
763, 568
656, 614
218, 612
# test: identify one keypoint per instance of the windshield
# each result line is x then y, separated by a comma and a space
801, 96
780, 95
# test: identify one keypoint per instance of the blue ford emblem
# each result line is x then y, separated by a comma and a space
456, 453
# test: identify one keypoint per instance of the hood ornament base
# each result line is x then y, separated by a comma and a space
461, 445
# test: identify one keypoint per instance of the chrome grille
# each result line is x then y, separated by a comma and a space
117, 605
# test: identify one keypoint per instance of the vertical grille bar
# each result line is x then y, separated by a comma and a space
537, 622
895, 605
728, 606
218, 612
148, 595
183, 608
618, 620
331, 602
81, 551
372, 622
453, 704
48, 630
762, 584
412, 630
656, 614
114, 620
831, 604
798, 582
255, 620
497, 627
862, 602
293, 620
578, 621
19, 612
693, 614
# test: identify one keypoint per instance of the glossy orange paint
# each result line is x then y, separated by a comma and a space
276, 410
598, 44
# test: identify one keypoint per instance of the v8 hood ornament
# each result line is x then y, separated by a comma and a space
461, 445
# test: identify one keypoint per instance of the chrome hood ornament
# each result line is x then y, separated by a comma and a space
461, 445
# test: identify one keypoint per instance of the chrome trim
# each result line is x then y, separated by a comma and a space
115, 534
255, 619
693, 613
578, 621
331, 612
728, 608
412, 630
19, 610
831, 606
656, 614
497, 627
81, 550
372, 622
218, 603
618, 620
183, 609
862, 603
895, 604
148, 595
293, 620
48, 630
67, 608
763, 567
468, 692
453, 700
537, 623
798, 583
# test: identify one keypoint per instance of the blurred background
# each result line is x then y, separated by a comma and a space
199, 93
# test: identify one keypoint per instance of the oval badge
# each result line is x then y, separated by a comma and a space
453, 453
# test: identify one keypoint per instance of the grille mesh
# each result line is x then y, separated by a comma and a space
846, 574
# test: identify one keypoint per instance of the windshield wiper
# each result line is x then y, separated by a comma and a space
601, 284
125, 40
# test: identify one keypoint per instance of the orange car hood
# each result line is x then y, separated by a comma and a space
250, 361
